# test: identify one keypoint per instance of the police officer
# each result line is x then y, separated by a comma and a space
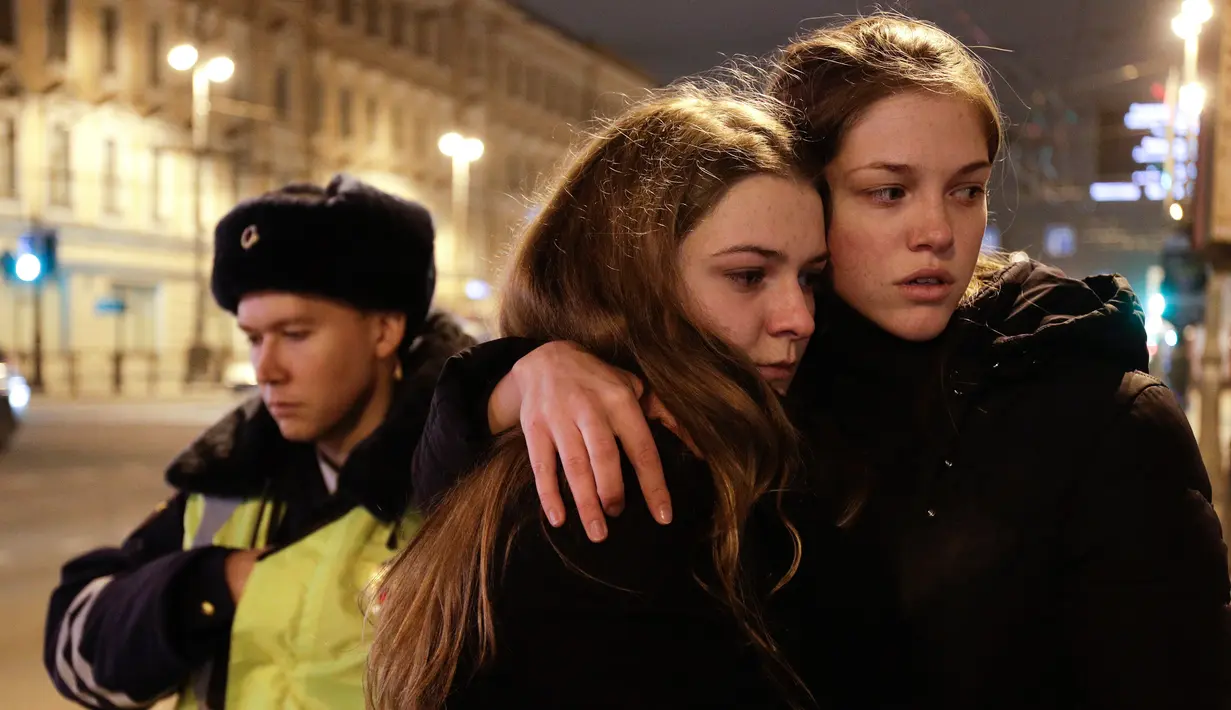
244, 590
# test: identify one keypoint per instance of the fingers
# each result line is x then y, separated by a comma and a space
605, 462
580, 479
634, 434
542, 452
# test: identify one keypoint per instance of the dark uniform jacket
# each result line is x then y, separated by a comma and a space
129, 625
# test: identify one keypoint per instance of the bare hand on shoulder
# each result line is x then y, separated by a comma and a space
570, 402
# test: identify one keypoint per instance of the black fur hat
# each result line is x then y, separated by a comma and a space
349, 242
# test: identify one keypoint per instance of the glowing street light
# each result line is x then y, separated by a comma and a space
463, 151
458, 147
219, 69
1191, 99
1177, 211
182, 57
216, 70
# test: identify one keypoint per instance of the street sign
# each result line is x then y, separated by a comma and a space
110, 304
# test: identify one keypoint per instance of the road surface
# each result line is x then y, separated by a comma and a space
79, 475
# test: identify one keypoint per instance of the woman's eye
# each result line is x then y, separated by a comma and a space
972, 193
747, 279
888, 194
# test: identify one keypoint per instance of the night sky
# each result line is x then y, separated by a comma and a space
1071, 47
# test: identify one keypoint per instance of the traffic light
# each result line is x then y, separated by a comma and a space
1183, 287
35, 258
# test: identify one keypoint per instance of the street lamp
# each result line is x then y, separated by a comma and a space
219, 69
463, 151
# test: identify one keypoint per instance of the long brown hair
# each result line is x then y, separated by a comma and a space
598, 266
832, 76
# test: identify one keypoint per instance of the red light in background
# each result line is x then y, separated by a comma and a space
1158, 91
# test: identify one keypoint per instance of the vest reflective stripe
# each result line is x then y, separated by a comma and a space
299, 639
214, 514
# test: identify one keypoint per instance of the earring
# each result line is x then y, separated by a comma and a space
397, 372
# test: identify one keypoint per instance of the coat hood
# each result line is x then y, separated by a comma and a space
1031, 315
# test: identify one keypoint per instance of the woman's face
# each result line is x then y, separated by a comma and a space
909, 188
749, 268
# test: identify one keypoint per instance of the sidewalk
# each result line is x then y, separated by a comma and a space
198, 409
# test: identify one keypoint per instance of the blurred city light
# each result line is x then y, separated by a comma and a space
1192, 100
1199, 10
28, 267
1156, 304
19, 393
477, 289
1114, 192
1185, 27
1172, 338
455, 145
182, 57
219, 69
1176, 211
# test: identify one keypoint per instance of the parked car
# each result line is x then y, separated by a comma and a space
14, 398
239, 376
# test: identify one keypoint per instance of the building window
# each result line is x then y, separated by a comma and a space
282, 93
425, 35
316, 105
59, 163
111, 177
8, 158
534, 84
8, 25
371, 11
111, 38
345, 127
397, 23
515, 81
155, 58
422, 136
439, 51
346, 12
395, 127
57, 30
373, 117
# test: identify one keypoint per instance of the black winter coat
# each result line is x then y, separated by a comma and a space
127, 626
1033, 523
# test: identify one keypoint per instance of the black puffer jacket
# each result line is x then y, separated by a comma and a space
1034, 528
1038, 506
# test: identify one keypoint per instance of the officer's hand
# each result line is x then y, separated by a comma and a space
570, 402
238, 567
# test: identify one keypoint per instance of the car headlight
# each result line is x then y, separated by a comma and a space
19, 393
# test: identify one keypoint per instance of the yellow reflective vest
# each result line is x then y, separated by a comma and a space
299, 639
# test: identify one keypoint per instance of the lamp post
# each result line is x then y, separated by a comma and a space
216, 70
463, 151
1189, 102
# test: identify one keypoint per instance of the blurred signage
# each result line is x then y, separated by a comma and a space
1060, 240
1115, 192
110, 304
